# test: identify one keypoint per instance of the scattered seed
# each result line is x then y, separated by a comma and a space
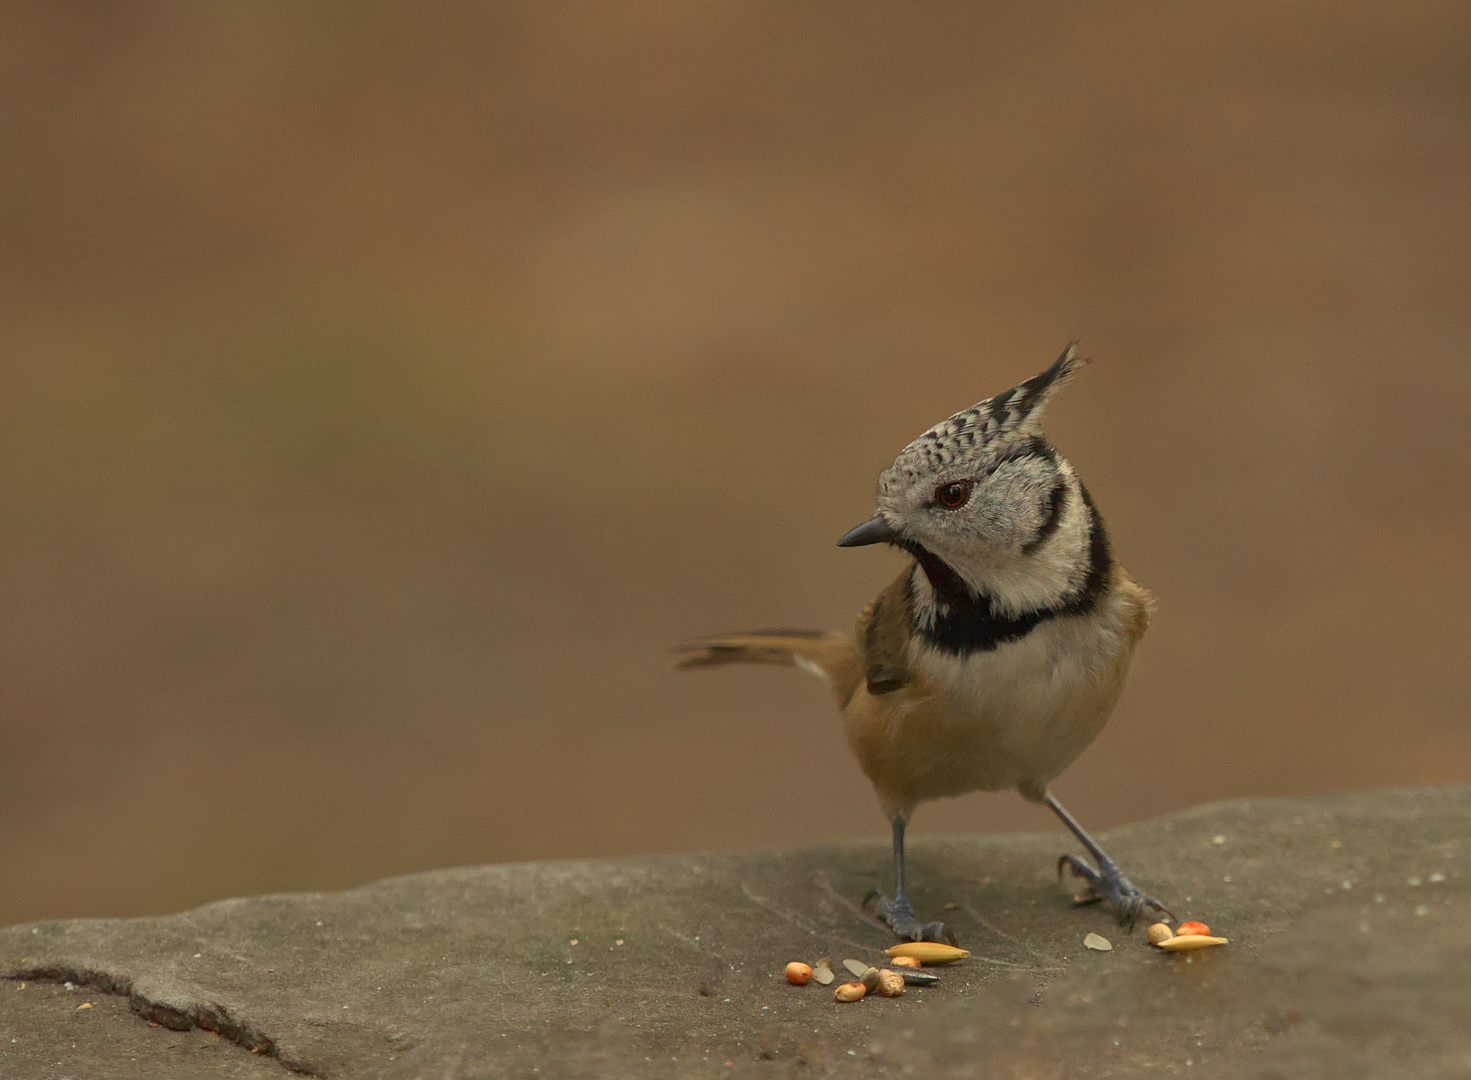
1189, 942
906, 961
870, 979
1193, 928
823, 974
928, 952
890, 983
857, 967
1098, 943
86, 1005
916, 977
850, 992
1159, 933
798, 973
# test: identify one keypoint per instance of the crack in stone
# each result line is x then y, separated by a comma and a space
211, 1017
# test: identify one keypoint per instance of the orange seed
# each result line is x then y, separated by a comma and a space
798, 973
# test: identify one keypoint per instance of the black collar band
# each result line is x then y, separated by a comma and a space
966, 622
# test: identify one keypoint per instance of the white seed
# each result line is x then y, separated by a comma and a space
1098, 943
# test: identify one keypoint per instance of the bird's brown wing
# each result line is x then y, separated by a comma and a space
884, 630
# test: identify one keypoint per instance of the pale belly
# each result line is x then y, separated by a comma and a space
1017, 715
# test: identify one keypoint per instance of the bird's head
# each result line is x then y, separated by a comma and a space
985, 493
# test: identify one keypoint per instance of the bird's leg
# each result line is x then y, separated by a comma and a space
1106, 882
897, 912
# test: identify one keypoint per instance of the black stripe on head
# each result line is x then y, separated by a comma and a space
1037, 385
1057, 502
1100, 559
998, 407
1036, 447
969, 623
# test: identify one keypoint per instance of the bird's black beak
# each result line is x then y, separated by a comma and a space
873, 531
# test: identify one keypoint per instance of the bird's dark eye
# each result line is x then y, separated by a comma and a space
953, 496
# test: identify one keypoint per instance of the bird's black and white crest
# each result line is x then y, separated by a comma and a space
997, 520
989, 429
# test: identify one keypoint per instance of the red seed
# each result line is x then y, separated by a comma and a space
1192, 928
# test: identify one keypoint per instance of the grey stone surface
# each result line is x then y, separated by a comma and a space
1350, 955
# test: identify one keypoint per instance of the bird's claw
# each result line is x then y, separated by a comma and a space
901, 919
1109, 886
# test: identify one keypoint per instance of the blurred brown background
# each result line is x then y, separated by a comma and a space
383, 387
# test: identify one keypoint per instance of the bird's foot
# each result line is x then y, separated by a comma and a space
1109, 886
900, 918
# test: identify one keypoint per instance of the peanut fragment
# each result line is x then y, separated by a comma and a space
798, 973
1159, 933
907, 961
1194, 928
850, 992
890, 983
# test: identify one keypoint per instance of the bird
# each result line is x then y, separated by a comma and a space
996, 657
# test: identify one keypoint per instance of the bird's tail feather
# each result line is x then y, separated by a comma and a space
831, 655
